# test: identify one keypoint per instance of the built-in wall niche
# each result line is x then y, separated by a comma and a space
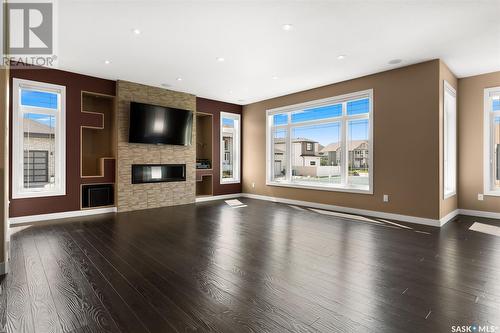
204, 151
97, 133
204, 186
97, 195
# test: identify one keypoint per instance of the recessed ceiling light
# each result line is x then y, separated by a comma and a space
230, 91
394, 61
287, 27
341, 57
275, 77
136, 31
179, 79
107, 62
220, 59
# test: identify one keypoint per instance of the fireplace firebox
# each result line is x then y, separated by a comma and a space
158, 173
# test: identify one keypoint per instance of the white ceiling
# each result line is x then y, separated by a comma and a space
184, 38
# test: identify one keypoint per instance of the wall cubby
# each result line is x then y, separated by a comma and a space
97, 133
204, 186
204, 136
204, 151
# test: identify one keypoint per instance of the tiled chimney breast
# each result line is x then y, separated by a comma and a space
142, 196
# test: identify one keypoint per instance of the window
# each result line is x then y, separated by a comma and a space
449, 141
492, 141
230, 148
325, 144
39, 156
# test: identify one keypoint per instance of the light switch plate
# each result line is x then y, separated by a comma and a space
386, 197
480, 197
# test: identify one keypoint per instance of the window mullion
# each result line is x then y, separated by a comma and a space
288, 149
492, 150
344, 162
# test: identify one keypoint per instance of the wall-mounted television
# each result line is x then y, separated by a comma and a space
159, 125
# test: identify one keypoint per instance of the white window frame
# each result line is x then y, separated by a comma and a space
449, 92
18, 190
341, 99
236, 148
489, 152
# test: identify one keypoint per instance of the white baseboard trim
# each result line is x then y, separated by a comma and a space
63, 215
480, 213
219, 197
372, 213
449, 217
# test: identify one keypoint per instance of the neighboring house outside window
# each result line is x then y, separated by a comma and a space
39, 163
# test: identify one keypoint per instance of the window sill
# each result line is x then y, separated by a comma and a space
222, 182
27, 195
336, 188
493, 193
449, 195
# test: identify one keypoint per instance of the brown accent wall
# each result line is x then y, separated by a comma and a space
406, 142
75, 84
450, 204
142, 196
470, 133
215, 108
4, 85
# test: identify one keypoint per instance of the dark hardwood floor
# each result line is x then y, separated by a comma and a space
266, 267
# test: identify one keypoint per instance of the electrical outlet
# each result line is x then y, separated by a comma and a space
386, 197
480, 197
253, 185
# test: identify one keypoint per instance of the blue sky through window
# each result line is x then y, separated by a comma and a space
324, 133
39, 99
496, 105
321, 112
42, 119
358, 129
280, 119
329, 133
358, 107
228, 122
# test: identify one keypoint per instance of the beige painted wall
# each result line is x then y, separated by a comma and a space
406, 142
142, 196
470, 133
4, 84
450, 204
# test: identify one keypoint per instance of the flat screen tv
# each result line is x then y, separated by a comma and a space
160, 125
